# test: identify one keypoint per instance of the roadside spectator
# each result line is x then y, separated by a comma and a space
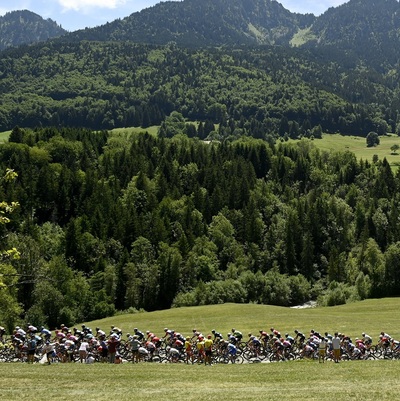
336, 348
322, 350
112, 345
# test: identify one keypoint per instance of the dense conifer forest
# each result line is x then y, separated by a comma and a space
113, 222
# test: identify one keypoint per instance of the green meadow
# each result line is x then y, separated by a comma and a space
153, 130
297, 380
370, 316
358, 145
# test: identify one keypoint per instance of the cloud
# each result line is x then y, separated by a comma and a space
84, 5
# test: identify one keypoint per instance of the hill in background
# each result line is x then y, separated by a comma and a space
25, 27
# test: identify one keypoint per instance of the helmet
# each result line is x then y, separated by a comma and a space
363, 334
187, 338
209, 336
135, 329
213, 331
166, 329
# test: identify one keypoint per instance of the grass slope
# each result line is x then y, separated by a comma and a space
371, 316
297, 380
358, 145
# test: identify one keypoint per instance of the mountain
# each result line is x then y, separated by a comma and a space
204, 23
24, 27
369, 29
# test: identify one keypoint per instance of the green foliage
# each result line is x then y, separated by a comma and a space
257, 92
143, 222
372, 139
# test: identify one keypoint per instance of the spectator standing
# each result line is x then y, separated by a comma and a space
112, 344
336, 348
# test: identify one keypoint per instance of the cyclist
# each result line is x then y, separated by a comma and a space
289, 338
231, 338
200, 349
196, 334
306, 350
45, 333
178, 344
139, 334
275, 333
395, 346
31, 329
208, 347
300, 338
255, 345
232, 351
173, 353
19, 333
100, 333
217, 335
150, 346
189, 350
367, 339
149, 335
156, 341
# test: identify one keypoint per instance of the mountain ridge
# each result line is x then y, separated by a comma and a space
24, 27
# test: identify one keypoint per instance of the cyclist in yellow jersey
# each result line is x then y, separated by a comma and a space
208, 344
189, 350
200, 349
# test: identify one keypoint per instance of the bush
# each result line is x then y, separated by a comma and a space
277, 290
299, 289
338, 294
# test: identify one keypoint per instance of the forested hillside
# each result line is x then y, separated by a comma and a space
112, 222
270, 89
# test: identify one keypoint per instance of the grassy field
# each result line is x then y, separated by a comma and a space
153, 130
358, 146
352, 319
297, 380
4, 136
363, 380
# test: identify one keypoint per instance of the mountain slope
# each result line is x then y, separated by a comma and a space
368, 28
22, 27
204, 23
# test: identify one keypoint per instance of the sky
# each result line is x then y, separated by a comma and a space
79, 14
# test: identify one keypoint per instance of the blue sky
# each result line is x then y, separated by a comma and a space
77, 14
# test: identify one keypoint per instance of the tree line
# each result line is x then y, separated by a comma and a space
113, 222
